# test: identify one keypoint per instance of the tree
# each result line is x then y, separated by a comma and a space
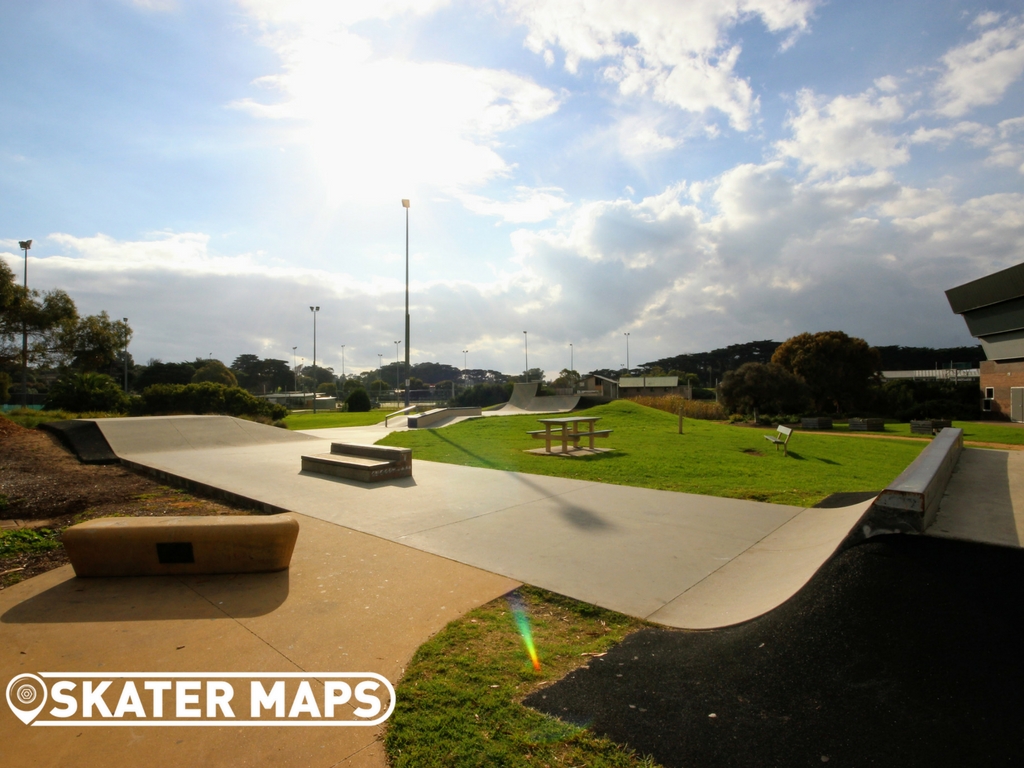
216, 372
48, 318
358, 401
837, 368
329, 388
766, 388
566, 378
83, 392
96, 343
158, 372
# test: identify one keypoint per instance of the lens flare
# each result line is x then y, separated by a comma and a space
515, 602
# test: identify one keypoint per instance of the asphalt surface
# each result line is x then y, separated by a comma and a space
902, 651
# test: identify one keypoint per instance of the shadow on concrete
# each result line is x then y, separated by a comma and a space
154, 598
398, 482
574, 515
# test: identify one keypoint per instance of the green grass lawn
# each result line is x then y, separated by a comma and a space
982, 432
709, 458
333, 419
458, 702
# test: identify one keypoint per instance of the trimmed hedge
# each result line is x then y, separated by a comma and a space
207, 397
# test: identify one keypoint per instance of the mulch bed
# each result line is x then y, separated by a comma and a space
41, 481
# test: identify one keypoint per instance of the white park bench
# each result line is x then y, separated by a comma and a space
780, 438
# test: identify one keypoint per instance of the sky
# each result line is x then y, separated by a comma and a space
695, 173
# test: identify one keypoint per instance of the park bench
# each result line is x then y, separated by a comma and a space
929, 426
365, 463
781, 437
157, 546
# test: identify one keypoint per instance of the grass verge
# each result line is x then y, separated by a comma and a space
458, 702
334, 419
31, 419
977, 432
709, 458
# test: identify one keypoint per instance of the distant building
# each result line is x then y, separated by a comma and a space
938, 374
993, 308
600, 388
637, 386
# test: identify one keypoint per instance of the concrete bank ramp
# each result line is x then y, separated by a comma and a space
525, 400
158, 434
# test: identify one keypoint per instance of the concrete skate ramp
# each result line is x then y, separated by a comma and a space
525, 400
157, 434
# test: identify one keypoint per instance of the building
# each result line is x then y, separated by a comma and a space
600, 388
637, 386
993, 308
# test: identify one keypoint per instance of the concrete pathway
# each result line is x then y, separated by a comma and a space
984, 500
349, 603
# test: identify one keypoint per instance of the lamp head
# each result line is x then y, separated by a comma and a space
24, 244
405, 203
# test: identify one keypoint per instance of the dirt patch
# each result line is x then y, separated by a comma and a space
752, 452
41, 482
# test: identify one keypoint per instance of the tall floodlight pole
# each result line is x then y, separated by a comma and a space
627, 353
295, 370
464, 353
380, 372
343, 362
24, 245
571, 368
314, 310
526, 348
405, 204
125, 354
397, 371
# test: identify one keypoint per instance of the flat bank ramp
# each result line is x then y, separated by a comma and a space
524, 399
984, 501
158, 434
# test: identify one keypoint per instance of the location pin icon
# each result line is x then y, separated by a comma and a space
27, 690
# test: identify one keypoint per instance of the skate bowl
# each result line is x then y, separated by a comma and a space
525, 400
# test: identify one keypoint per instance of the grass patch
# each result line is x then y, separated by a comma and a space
23, 540
458, 702
709, 458
980, 432
31, 419
334, 419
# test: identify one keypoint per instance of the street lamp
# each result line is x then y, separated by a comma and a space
314, 310
125, 354
295, 370
24, 245
627, 353
571, 367
343, 362
397, 369
526, 347
405, 204
380, 373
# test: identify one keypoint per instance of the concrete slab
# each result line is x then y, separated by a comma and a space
984, 500
350, 602
629, 549
153, 434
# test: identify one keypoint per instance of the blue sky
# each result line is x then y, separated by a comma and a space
694, 173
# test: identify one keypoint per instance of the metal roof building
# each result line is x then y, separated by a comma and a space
993, 308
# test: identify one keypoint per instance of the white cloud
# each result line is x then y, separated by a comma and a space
848, 132
677, 52
387, 126
526, 206
979, 72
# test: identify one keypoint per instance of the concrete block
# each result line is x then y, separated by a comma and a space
912, 499
156, 546
365, 463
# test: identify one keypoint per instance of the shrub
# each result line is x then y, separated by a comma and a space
86, 392
207, 397
215, 372
483, 395
358, 401
692, 409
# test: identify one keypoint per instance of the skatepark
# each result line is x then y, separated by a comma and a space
378, 568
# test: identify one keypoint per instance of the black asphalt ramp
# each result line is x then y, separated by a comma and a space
902, 651
84, 439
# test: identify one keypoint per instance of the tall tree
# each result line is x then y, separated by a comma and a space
838, 368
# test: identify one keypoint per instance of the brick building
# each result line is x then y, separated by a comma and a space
993, 308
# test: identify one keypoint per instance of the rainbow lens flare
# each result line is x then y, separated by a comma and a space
518, 607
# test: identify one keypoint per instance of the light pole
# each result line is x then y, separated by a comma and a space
464, 353
571, 368
295, 370
343, 363
397, 369
125, 354
627, 353
526, 348
314, 310
24, 245
380, 372
405, 204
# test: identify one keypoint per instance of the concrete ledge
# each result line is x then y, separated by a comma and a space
83, 438
365, 463
420, 420
911, 501
158, 546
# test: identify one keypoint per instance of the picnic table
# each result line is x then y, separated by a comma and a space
558, 430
